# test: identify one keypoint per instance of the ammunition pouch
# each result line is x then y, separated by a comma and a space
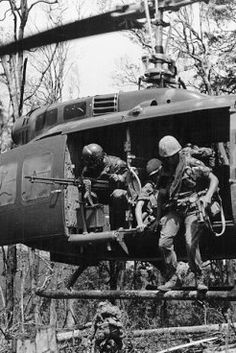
190, 203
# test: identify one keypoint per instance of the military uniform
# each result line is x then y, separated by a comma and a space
111, 168
149, 194
146, 210
114, 170
191, 176
107, 328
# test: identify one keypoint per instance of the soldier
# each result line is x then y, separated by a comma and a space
146, 208
99, 165
107, 331
185, 176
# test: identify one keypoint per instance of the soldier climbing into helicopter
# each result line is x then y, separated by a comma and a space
183, 177
99, 165
146, 210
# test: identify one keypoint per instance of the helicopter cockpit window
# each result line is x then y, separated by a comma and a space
75, 110
40, 166
40, 121
8, 183
51, 117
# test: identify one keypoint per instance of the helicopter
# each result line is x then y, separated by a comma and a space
41, 190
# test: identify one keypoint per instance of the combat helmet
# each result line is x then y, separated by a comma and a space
169, 146
153, 166
93, 151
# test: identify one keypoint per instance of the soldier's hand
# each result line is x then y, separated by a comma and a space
141, 227
206, 201
115, 177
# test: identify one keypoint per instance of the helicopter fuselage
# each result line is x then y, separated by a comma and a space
48, 216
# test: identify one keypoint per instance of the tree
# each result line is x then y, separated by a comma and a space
206, 46
45, 87
14, 77
4, 129
201, 39
14, 66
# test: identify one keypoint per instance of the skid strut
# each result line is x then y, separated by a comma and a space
139, 294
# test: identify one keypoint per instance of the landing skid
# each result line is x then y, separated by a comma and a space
225, 295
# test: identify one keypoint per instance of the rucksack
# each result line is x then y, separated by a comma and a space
204, 154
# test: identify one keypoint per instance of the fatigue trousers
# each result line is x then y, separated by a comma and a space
171, 223
118, 206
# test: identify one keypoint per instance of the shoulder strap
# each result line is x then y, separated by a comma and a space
177, 182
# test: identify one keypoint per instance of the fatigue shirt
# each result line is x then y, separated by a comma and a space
149, 195
112, 169
191, 175
114, 166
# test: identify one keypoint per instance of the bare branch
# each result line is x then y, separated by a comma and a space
13, 11
43, 73
43, 1
141, 38
5, 15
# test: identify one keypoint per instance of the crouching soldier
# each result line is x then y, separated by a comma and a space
99, 165
107, 331
187, 176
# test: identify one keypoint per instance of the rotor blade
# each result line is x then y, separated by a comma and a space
175, 5
122, 18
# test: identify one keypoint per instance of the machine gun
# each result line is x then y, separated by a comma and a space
84, 186
78, 182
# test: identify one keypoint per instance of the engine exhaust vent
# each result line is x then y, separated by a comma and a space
105, 104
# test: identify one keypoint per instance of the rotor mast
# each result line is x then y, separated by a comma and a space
160, 70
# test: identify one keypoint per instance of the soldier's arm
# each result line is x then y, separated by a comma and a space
213, 186
204, 171
139, 215
120, 173
144, 197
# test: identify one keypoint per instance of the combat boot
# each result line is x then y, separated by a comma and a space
200, 283
172, 283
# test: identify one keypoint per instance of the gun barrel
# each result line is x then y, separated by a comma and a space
60, 181
96, 183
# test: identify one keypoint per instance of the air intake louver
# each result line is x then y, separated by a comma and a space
105, 104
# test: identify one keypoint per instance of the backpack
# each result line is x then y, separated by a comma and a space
204, 154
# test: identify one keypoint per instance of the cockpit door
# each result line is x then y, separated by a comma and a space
43, 203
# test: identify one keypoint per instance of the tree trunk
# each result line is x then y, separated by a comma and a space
11, 264
34, 269
70, 317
